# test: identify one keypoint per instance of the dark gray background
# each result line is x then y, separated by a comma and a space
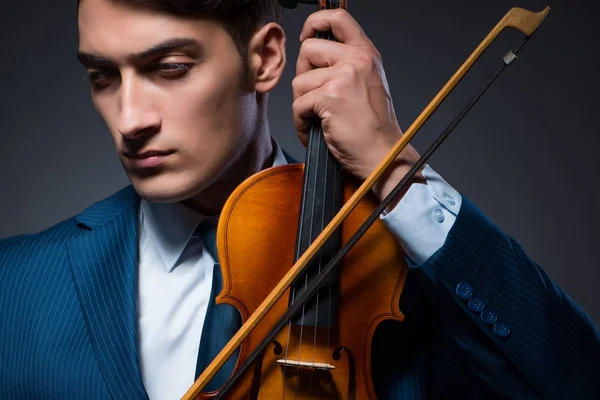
526, 154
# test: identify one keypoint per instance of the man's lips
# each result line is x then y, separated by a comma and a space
148, 159
148, 154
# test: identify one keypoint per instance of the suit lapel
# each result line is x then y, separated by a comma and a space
104, 266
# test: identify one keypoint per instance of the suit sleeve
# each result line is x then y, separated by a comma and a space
525, 336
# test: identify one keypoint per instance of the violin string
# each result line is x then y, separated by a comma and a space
321, 149
321, 227
293, 286
335, 210
336, 4
298, 355
285, 357
315, 134
333, 263
327, 166
328, 36
310, 161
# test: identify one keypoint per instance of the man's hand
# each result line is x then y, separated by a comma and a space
344, 84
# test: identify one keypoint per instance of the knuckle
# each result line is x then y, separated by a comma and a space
303, 46
334, 90
295, 83
377, 53
302, 49
298, 107
307, 48
340, 13
308, 43
349, 71
367, 60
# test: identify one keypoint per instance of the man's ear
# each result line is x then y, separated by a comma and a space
266, 57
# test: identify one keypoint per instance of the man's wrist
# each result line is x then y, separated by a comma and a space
423, 217
392, 177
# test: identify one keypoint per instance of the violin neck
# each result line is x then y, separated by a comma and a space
322, 196
322, 188
321, 191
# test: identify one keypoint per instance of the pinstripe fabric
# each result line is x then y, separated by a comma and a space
553, 347
45, 350
67, 318
67, 308
105, 280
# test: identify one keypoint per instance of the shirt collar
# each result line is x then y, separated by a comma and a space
170, 225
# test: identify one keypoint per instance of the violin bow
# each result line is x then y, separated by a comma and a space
523, 20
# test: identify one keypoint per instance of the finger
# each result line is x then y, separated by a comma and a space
306, 109
343, 26
312, 80
303, 138
317, 53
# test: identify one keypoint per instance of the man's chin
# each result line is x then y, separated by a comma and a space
162, 193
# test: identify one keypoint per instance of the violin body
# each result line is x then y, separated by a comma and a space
257, 235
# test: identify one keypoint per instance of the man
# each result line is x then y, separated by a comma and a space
113, 302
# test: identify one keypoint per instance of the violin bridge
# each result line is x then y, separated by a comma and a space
304, 364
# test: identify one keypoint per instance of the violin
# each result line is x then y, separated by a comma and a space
311, 268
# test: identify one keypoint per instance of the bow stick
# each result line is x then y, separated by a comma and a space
523, 20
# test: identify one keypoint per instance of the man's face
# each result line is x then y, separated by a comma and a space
171, 93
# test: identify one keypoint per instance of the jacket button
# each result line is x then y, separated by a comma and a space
501, 329
476, 304
489, 317
464, 290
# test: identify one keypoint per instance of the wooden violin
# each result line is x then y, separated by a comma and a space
311, 268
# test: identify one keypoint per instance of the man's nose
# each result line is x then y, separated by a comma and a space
137, 114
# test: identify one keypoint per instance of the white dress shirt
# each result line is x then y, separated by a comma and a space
175, 273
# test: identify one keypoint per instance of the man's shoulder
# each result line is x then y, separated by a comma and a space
20, 248
35, 250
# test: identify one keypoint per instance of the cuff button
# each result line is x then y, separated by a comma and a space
464, 290
501, 330
476, 304
489, 317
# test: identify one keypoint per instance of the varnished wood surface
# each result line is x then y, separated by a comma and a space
258, 226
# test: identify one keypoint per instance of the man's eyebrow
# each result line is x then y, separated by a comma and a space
169, 45
88, 59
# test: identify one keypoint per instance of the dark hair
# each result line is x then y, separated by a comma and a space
241, 18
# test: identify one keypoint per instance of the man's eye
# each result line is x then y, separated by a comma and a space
103, 79
171, 70
100, 80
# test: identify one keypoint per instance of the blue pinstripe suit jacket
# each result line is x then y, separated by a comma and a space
483, 321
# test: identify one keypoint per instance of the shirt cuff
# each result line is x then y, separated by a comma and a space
424, 216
